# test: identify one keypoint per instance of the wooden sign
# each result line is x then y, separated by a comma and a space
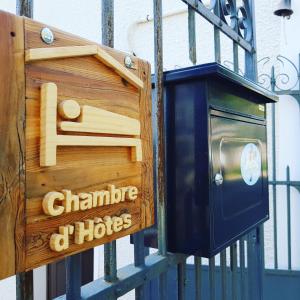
76, 145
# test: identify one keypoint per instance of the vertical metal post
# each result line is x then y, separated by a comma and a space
255, 241
255, 237
110, 262
193, 59
242, 268
233, 264
198, 278
255, 265
25, 8
181, 270
158, 44
274, 176
24, 286
24, 281
217, 35
288, 196
139, 260
73, 277
110, 251
192, 34
160, 156
251, 57
108, 23
212, 278
223, 274
235, 47
233, 248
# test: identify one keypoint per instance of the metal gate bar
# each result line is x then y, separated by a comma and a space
242, 269
212, 281
160, 141
205, 12
233, 248
110, 249
255, 238
73, 276
198, 275
223, 265
129, 278
287, 183
274, 176
139, 260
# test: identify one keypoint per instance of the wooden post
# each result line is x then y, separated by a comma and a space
24, 281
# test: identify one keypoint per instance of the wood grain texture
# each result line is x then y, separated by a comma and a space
59, 52
98, 120
94, 120
12, 145
89, 82
147, 206
77, 51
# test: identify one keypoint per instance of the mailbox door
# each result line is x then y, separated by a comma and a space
238, 156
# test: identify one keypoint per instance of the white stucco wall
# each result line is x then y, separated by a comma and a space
134, 34
287, 150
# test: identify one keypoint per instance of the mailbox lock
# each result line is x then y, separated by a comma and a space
218, 179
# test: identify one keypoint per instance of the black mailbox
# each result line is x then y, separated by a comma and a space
217, 182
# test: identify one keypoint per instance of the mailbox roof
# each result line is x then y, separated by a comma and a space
217, 70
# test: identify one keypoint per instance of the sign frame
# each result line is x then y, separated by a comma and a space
81, 83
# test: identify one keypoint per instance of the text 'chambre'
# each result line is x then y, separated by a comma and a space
58, 203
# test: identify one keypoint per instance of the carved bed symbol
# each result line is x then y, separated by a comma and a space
82, 119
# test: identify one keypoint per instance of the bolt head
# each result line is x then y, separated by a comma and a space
47, 35
128, 61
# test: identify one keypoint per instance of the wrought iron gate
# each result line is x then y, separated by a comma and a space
237, 279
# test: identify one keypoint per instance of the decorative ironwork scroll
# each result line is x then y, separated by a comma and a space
283, 75
234, 21
229, 12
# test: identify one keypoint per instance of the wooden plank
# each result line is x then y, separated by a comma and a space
75, 51
12, 151
48, 129
147, 208
97, 120
59, 52
33, 40
95, 82
104, 57
83, 170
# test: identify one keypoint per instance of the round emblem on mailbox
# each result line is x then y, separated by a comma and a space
251, 164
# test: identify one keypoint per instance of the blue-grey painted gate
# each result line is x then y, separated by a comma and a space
160, 269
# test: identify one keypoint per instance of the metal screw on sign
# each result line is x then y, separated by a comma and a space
128, 62
47, 35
